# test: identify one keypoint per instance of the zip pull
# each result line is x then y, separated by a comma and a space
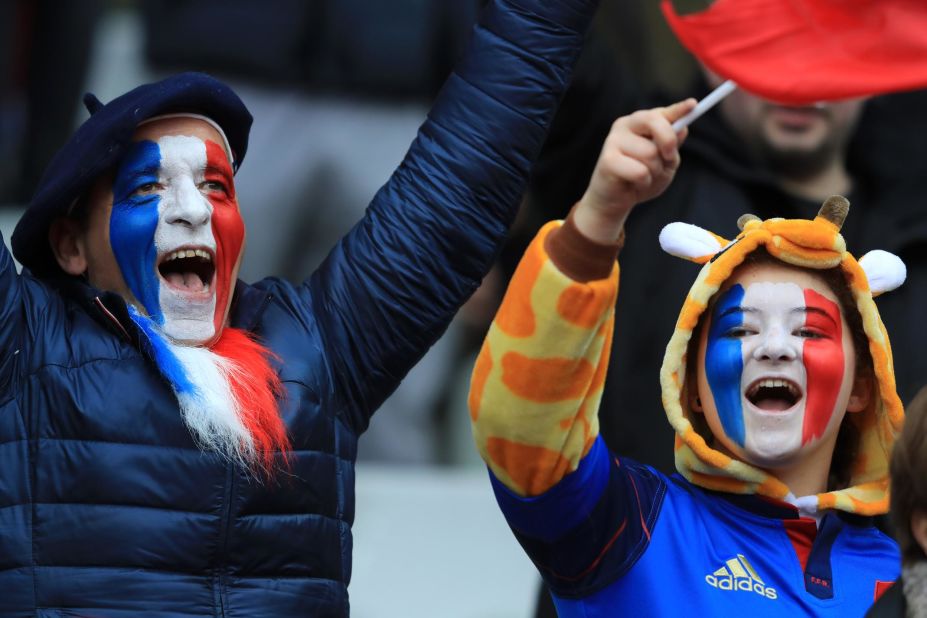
115, 320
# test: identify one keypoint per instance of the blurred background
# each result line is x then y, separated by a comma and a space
338, 89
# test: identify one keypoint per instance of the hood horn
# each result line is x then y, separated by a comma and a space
745, 219
835, 209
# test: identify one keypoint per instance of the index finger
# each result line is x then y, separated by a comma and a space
666, 138
679, 109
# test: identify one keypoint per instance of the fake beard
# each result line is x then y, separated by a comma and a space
227, 394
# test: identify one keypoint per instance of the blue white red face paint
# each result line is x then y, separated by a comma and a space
775, 361
177, 238
177, 233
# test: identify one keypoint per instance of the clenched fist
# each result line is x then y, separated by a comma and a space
638, 161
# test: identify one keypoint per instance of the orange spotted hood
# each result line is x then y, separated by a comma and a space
815, 244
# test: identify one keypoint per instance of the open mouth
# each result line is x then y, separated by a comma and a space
188, 270
774, 394
797, 118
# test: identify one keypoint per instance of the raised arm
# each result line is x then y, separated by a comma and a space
536, 386
538, 379
389, 289
534, 395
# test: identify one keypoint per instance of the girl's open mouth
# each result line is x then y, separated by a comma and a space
773, 394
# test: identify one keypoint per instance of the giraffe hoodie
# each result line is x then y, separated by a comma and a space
610, 535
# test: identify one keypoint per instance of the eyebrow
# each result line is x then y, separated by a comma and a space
816, 311
801, 310
139, 173
225, 170
737, 309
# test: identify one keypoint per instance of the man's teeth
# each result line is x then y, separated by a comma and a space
188, 253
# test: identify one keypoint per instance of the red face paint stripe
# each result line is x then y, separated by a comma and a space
228, 228
218, 168
823, 357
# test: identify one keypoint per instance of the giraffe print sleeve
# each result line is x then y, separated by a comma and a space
538, 379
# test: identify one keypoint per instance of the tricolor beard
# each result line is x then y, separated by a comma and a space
228, 396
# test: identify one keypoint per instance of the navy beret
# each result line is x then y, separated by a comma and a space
100, 142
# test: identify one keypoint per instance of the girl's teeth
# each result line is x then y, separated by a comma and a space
774, 383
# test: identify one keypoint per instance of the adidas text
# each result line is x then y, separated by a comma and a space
741, 583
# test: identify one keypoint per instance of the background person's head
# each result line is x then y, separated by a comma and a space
909, 482
796, 143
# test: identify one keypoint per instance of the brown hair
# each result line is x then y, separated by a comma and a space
847, 446
909, 476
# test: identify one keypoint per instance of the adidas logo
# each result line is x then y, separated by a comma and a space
737, 574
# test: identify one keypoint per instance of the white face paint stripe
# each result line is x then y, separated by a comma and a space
184, 222
183, 160
776, 320
225, 140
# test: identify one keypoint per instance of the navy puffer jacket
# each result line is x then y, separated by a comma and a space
107, 507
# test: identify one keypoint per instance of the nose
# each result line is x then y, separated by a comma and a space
187, 206
776, 345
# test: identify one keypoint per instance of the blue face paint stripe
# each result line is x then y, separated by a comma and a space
724, 363
133, 222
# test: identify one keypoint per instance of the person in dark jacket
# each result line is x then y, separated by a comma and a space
908, 596
174, 442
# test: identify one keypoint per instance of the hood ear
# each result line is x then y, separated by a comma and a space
885, 271
690, 242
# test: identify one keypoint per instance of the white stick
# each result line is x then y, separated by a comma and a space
712, 99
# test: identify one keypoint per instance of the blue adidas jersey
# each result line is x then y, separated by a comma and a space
617, 536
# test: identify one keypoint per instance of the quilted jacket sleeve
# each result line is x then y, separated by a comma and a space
389, 289
11, 312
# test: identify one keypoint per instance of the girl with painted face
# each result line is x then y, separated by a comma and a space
778, 382
778, 369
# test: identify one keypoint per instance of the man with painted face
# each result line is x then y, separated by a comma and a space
778, 382
177, 442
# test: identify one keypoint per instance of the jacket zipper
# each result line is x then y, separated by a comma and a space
220, 576
221, 572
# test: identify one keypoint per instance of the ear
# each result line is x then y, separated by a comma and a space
690, 242
885, 271
861, 393
67, 242
919, 528
695, 402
